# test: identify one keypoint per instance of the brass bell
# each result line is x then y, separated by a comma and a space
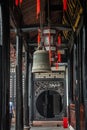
41, 61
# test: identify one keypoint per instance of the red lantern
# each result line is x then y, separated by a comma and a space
38, 8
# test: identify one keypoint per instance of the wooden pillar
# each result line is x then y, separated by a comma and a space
0, 85
26, 105
84, 59
19, 91
4, 64
0, 66
77, 85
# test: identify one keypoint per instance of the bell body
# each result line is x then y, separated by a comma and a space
41, 61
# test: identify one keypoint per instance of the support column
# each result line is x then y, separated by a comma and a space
0, 66
77, 83
84, 60
0, 84
4, 64
19, 89
26, 105
84, 68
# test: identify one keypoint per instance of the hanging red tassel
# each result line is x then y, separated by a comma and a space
16, 2
38, 38
21, 1
59, 40
59, 57
64, 5
38, 8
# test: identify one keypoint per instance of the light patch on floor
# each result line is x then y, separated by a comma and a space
48, 128
71, 128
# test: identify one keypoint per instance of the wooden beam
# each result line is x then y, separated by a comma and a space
16, 16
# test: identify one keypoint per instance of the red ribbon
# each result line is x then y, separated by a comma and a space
64, 5
38, 8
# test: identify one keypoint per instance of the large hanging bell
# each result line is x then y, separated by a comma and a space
41, 61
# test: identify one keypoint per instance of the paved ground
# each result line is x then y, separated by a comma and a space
43, 128
48, 128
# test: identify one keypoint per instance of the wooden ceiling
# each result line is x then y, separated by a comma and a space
24, 17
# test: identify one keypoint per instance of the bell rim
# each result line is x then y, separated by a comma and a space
41, 71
